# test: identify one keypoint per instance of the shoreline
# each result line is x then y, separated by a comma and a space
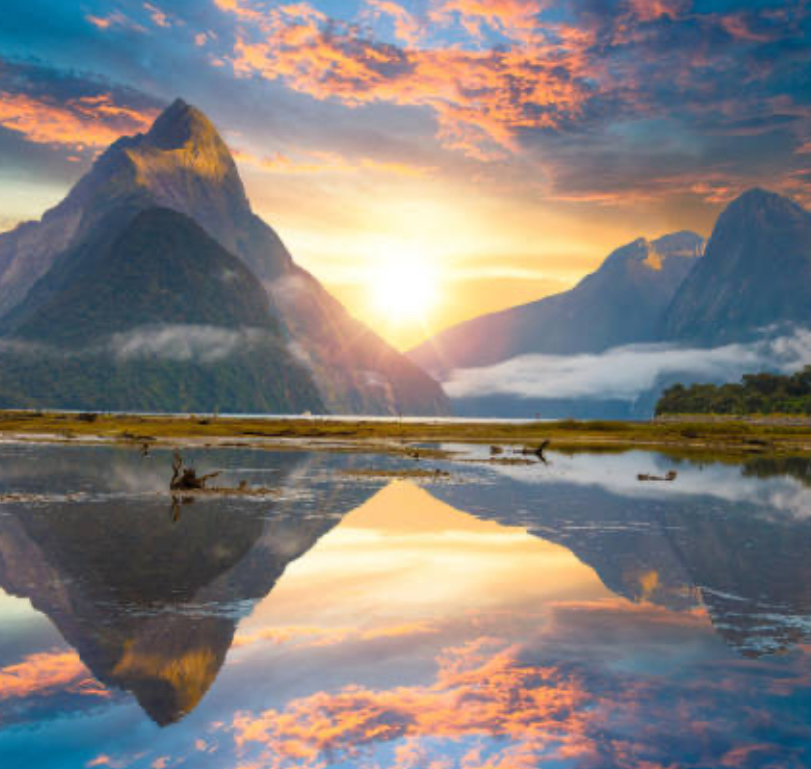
733, 437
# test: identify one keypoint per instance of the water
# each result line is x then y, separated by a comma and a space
541, 615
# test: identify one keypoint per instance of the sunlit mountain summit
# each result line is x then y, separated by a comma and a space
314, 355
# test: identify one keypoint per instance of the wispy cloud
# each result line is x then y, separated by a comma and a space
184, 342
175, 342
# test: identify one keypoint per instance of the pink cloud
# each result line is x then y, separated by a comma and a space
87, 121
46, 672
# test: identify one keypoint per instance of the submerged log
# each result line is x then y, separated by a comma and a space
538, 451
186, 478
671, 475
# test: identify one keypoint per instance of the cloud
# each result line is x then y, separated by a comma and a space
46, 673
94, 121
113, 20
575, 71
47, 107
649, 10
306, 636
480, 689
479, 98
406, 27
159, 17
176, 342
518, 19
184, 342
625, 373
505, 706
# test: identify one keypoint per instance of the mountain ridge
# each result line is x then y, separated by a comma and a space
181, 163
153, 315
756, 273
619, 303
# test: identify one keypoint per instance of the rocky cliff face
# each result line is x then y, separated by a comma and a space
183, 164
756, 274
622, 302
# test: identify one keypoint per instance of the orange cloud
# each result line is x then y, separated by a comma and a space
649, 10
88, 121
46, 671
238, 9
406, 27
480, 690
157, 16
738, 25
516, 18
115, 19
481, 99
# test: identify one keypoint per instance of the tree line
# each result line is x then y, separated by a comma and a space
762, 393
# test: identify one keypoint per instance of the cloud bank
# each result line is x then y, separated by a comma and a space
184, 342
624, 373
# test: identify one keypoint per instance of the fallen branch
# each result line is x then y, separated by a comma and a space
186, 478
670, 476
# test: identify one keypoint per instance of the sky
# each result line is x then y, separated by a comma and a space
479, 153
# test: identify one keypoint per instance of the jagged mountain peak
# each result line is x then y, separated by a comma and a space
179, 123
762, 205
755, 273
653, 254
182, 164
681, 243
183, 140
620, 303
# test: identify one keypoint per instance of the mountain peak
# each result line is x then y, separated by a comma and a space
755, 273
179, 125
760, 202
681, 243
654, 253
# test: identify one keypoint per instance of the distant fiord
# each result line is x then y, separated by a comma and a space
751, 282
622, 302
93, 267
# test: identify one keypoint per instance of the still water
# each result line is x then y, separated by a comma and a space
558, 615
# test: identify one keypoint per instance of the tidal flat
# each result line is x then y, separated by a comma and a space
731, 438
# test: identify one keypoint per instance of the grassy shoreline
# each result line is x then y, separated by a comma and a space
727, 437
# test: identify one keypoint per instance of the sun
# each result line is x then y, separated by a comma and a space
403, 291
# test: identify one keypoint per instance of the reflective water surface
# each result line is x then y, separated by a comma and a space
509, 616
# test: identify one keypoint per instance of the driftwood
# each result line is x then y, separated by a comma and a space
670, 476
186, 478
538, 451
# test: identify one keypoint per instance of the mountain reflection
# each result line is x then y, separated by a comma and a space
149, 600
552, 580
733, 539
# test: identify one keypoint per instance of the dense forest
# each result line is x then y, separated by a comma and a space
756, 394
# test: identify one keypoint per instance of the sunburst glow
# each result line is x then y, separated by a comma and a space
404, 290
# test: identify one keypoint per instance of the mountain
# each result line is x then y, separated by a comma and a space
622, 302
737, 558
756, 273
150, 313
161, 627
182, 164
